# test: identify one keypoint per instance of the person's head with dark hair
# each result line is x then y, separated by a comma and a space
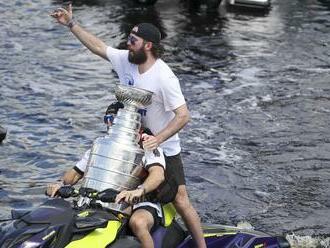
111, 112
144, 37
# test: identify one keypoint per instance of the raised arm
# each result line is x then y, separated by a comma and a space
95, 45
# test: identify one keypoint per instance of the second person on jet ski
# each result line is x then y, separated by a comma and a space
146, 216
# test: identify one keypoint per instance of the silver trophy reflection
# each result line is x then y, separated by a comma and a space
115, 159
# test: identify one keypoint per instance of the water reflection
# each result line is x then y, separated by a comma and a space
325, 3
257, 88
199, 22
140, 14
79, 3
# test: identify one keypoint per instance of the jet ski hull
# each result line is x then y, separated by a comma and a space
57, 224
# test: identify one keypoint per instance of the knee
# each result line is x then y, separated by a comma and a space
182, 201
137, 224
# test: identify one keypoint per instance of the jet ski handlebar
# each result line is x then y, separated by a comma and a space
108, 195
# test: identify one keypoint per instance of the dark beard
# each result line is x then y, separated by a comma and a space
138, 57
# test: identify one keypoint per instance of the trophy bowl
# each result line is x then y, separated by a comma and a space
133, 96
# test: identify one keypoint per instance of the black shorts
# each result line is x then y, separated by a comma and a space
153, 211
174, 169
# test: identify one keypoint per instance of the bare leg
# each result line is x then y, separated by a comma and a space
141, 222
189, 216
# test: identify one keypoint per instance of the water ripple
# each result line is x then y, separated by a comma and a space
257, 86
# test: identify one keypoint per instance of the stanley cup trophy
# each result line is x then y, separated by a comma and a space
115, 159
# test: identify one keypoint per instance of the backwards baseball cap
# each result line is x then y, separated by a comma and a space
147, 31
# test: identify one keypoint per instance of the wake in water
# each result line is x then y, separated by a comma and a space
297, 241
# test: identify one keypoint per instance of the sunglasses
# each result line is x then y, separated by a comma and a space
108, 119
131, 39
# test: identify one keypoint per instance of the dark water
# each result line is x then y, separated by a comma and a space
258, 146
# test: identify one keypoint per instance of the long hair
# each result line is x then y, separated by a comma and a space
157, 50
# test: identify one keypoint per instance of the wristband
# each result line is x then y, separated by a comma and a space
71, 23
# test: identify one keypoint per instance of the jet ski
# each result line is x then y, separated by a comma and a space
59, 222
251, 4
3, 133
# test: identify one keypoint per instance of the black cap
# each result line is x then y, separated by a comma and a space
147, 31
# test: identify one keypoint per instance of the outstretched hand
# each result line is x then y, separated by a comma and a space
63, 15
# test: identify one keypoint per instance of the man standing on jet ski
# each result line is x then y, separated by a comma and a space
141, 66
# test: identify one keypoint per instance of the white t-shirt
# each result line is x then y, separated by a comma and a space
167, 95
82, 163
148, 159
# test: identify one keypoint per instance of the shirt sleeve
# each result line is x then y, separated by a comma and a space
172, 94
117, 58
155, 157
82, 163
